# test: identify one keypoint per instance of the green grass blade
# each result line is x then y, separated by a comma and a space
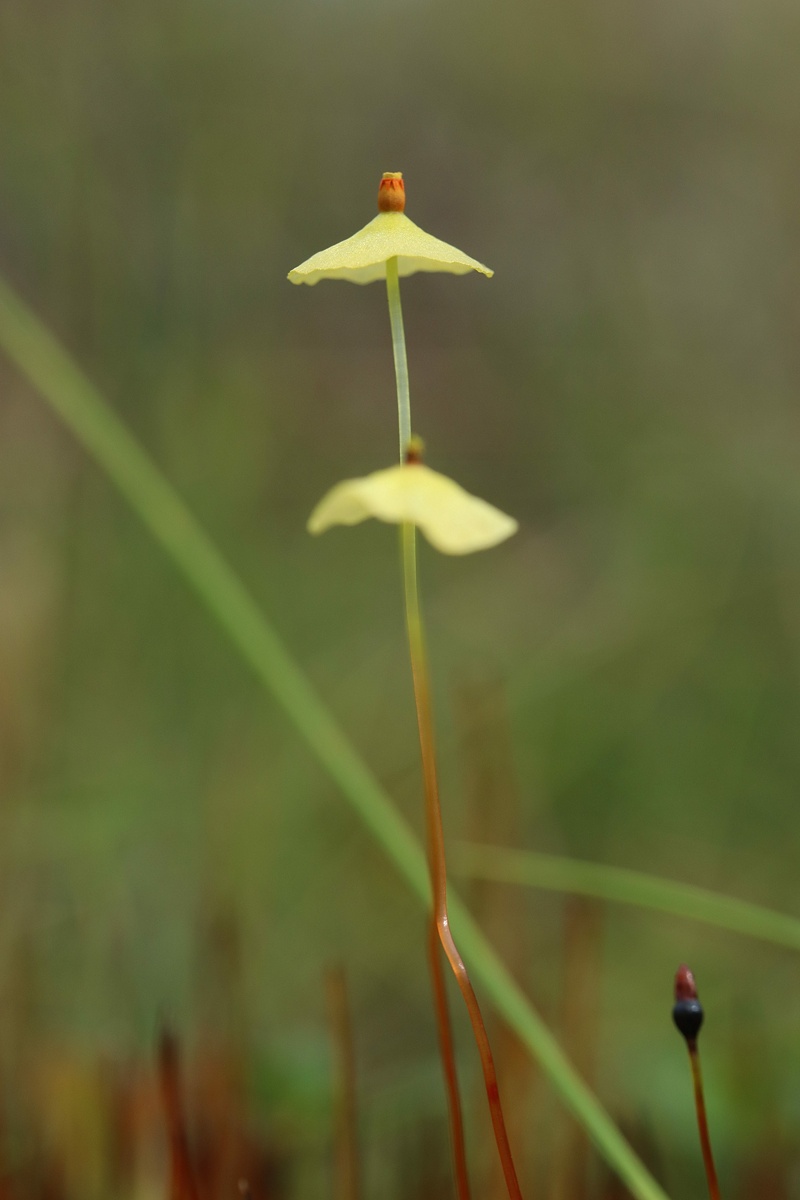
626, 887
43, 361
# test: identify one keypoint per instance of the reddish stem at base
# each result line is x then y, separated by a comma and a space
182, 1185
702, 1122
348, 1185
448, 1063
436, 855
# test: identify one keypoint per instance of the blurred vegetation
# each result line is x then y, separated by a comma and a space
626, 386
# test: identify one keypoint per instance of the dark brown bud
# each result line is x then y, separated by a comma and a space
688, 1011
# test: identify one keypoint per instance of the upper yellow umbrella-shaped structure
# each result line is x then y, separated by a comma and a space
362, 258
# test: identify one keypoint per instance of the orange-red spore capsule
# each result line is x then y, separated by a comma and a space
392, 192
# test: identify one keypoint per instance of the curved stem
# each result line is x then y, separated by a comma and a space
400, 359
433, 816
436, 853
448, 1061
439, 990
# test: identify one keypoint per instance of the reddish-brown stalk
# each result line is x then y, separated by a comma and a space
182, 1181
436, 853
448, 1062
688, 1017
347, 1164
702, 1122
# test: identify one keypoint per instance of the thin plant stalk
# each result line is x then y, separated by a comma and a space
688, 1017
347, 1174
400, 358
48, 367
702, 1121
433, 813
436, 853
445, 1031
444, 1028
182, 1183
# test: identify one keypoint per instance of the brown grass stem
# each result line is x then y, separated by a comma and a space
347, 1174
182, 1183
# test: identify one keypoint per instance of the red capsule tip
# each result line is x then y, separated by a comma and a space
685, 986
392, 192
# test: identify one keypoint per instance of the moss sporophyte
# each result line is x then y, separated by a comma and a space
414, 496
362, 258
389, 247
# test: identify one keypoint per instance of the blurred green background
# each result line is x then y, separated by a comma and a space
626, 386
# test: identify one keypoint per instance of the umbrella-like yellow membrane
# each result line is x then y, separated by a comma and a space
452, 520
362, 258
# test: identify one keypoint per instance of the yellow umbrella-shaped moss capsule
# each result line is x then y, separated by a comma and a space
362, 258
452, 520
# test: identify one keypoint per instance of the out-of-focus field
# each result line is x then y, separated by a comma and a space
622, 678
